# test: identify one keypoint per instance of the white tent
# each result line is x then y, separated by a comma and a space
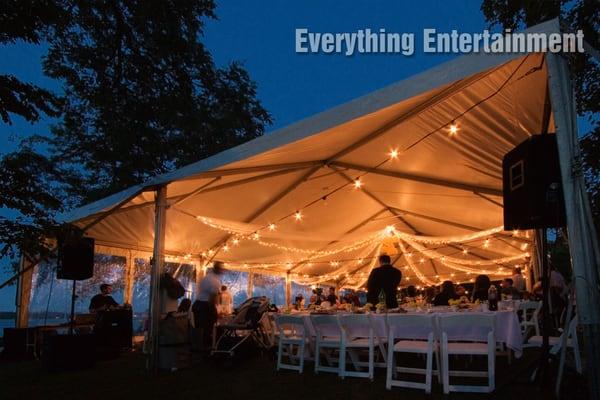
443, 186
287, 202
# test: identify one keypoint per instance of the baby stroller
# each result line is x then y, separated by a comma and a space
250, 324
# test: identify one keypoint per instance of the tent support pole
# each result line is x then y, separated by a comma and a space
129, 278
160, 210
288, 289
423, 179
250, 287
23, 295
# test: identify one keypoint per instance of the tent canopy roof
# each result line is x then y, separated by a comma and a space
415, 176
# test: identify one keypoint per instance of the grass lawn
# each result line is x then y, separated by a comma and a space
256, 378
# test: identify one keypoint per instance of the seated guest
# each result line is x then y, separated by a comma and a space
331, 297
480, 289
447, 293
299, 302
352, 298
103, 300
429, 294
509, 290
460, 290
411, 291
315, 298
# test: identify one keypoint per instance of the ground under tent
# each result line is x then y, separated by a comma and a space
413, 170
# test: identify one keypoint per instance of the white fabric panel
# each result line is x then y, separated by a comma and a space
583, 240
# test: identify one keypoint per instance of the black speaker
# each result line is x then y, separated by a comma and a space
15, 342
76, 259
532, 186
69, 352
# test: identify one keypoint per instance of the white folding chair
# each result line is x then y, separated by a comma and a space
407, 328
556, 343
292, 336
471, 335
530, 318
328, 335
357, 333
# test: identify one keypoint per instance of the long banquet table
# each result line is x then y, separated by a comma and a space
507, 328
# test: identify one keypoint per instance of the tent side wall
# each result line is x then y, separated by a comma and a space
583, 240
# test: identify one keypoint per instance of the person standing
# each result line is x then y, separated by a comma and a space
103, 300
518, 280
205, 307
331, 297
384, 278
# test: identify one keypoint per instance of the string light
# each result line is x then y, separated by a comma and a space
236, 241
255, 236
297, 215
272, 227
358, 183
393, 154
453, 130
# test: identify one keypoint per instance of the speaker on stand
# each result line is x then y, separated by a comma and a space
533, 199
76, 263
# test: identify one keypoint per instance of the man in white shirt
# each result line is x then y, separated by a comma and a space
518, 280
205, 307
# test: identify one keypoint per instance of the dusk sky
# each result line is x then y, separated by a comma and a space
292, 86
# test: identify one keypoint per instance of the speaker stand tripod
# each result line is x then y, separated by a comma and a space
72, 319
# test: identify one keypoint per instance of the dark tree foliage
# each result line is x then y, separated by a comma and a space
142, 96
28, 184
27, 21
142, 93
578, 14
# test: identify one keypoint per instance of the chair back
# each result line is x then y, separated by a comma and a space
411, 326
326, 325
530, 309
356, 325
289, 325
467, 327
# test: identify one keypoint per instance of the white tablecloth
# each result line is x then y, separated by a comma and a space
507, 329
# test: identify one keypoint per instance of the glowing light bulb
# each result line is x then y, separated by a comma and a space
394, 154
453, 130
256, 236
465, 251
236, 241
272, 227
360, 260
422, 260
358, 183
298, 216
226, 248
486, 243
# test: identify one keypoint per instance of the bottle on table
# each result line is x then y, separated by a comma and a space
493, 298
382, 300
